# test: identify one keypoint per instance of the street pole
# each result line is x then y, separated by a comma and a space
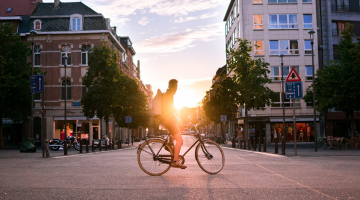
294, 127
65, 81
32, 33
282, 95
311, 32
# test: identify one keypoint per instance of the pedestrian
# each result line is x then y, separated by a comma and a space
239, 132
252, 135
275, 134
301, 134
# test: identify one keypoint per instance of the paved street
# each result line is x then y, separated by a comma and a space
116, 175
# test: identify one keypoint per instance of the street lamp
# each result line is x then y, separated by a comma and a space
282, 94
311, 32
65, 81
32, 33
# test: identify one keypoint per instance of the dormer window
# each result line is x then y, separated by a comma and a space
9, 9
37, 24
76, 22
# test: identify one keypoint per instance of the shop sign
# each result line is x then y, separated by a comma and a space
79, 124
240, 121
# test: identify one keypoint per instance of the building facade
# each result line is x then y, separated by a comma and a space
332, 17
278, 27
73, 29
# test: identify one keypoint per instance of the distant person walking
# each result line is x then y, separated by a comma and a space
252, 135
239, 132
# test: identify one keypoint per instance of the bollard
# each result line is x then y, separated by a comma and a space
47, 148
259, 144
264, 140
233, 143
276, 145
283, 145
113, 144
119, 144
254, 144
93, 146
65, 148
105, 145
81, 147
87, 145
99, 145
248, 144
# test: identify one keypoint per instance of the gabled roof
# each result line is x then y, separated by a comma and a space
47, 9
19, 7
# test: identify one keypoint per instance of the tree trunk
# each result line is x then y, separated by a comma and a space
246, 132
106, 125
1, 133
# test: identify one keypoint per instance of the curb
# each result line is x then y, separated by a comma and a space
261, 153
92, 153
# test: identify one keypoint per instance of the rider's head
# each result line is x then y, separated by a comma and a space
173, 85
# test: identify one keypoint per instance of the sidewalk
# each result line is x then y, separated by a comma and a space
15, 153
304, 149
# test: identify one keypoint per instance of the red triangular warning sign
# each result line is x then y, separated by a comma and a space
293, 75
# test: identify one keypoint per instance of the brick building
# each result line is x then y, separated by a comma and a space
72, 29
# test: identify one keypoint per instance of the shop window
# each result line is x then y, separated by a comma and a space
68, 87
85, 50
258, 22
66, 50
259, 47
37, 55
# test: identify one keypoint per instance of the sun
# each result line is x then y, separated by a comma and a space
183, 99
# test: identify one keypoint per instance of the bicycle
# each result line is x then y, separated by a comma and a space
155, 155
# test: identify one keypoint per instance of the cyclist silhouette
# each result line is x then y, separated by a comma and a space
171, 122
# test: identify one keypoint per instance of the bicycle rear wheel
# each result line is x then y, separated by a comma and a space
210, 157
148, 160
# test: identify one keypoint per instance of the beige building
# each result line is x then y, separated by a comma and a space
277, 27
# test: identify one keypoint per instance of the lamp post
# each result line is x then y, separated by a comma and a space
32, 33
282, 94
311, 32
65, 81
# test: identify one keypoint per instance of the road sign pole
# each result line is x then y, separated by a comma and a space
294, 127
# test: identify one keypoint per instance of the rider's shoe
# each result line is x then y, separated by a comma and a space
177, 164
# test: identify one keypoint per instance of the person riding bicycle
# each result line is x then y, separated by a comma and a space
171, 122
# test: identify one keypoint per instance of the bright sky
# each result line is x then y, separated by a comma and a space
173, 39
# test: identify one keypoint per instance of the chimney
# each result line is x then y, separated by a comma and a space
56, 3
114, 29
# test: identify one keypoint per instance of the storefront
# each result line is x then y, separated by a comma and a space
79, 127
304, 129
12, 132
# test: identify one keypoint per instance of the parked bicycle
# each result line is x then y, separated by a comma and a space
156, 154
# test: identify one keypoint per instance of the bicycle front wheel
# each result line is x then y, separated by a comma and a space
154, 157
210, 157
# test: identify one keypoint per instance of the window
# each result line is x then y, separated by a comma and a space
307, 47
124, 57
68, 87
37, 24
85, 50
239, 30
306, 1
66, 51
286, 47
310, 103
308, 73
84, 89
282, 1
307, 21
75, 24
283, 21
276, 73
340, 5
259, 47
9, 9
257, 1
258, 23
37, 53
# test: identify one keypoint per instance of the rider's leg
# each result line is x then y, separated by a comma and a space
177, 148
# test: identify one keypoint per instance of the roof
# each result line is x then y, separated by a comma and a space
66, 8
228, 10
19, 7
63, 24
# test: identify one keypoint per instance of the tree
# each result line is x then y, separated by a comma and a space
250, 79
337, 85
15, 73
101, 79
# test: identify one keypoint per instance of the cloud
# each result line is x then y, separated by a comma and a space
143, 21
204, 16
178, 41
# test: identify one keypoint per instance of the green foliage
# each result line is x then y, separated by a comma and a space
111, 92
337, 85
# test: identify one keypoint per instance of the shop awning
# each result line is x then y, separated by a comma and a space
287, 119
73, 118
